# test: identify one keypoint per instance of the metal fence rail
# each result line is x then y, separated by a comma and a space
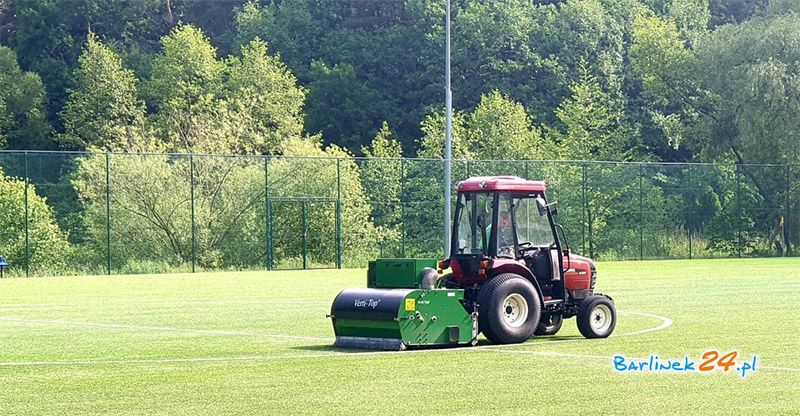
99, 213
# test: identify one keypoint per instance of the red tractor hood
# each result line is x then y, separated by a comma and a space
579, 270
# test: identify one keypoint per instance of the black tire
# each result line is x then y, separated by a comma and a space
497, 320
550, 326
597, 317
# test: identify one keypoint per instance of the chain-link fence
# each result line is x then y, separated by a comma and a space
90, 213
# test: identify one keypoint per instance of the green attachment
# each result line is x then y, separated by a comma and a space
397, 273
399, 318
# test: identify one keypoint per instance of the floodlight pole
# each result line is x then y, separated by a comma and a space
448, 142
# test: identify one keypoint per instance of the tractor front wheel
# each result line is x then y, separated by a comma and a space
508, 309
597, 317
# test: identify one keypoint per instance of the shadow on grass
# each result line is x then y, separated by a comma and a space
481, 343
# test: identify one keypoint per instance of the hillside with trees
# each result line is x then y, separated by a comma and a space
548, 80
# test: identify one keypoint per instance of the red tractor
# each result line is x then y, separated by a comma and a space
513, 262
512, 277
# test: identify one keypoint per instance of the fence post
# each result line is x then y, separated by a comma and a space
108, 213
402, 208
194, 223
305, 231
338, 215
583, 207
27, 241
739, 210
588, 217
267, 214
784, 233
691, 194
641, 211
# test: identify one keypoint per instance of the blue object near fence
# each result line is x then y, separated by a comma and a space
3, 265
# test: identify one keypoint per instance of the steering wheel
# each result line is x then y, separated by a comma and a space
506, 252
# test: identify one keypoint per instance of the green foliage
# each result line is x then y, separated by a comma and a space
431, 145
48, 250
692, 18
382, 175
594, 124
664, 64
358, 107
22, 99
751, 83
186, 77
318, 178
578, 79
249, 104
264, 100
102, 111
500, 128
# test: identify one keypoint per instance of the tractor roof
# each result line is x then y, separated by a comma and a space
501, 183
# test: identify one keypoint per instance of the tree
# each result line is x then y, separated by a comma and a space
102, 111
22, 100
264, 97
431, 145
665, 65
692, 18
358, 108
382, 175
48, 250
501, 128
594, 124
184, 90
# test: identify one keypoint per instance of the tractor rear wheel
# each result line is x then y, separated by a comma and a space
550, 326
508, 309
597, 317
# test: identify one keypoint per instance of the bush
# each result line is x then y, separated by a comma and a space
48, 249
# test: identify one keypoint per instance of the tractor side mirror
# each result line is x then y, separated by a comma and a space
542, 205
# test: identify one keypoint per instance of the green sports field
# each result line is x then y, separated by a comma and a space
259, 343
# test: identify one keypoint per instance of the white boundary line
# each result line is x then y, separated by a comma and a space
157, 303
159, 328
665, 323
491, 347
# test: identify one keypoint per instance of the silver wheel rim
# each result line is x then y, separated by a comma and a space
515, 310
600, 319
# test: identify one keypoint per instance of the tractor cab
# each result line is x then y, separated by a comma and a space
504, 224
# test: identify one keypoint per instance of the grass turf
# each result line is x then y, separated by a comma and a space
259, 343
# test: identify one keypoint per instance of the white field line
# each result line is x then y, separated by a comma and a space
160, 328
166, 360
160, 303
545, 353
665, 322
